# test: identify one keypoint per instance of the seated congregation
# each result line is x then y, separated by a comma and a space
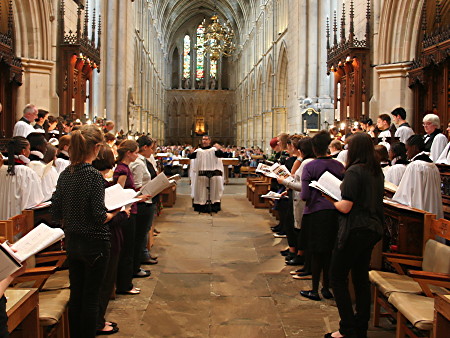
391, 219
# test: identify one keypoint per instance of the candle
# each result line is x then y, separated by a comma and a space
348, 111
363, 110
73, 104
305, 125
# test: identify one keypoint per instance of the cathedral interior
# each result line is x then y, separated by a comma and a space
279, 66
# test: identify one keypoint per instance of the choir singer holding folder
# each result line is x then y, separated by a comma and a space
360, 228
79, 204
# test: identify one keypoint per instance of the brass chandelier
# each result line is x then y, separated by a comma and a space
218, 38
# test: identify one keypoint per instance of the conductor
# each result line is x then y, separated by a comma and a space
207, 176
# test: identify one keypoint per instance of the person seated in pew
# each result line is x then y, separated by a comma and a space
104, 163
397, 156
435, 141
444, 158
62, 157
79, 203
49, 177
382, 156
335, 148
3, 286
21, 186
420, 186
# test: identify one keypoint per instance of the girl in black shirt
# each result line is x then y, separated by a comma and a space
360, 227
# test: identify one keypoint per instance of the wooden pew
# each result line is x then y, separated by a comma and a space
169, 196
257, 187
444, 170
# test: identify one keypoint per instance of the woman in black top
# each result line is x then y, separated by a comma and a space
79, 203
360, 228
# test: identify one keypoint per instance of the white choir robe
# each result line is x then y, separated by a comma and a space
342, 156
206, 160
18, 192
48, 181
22, 128
420, 188
404, 133
61, 164
438, 145
395, 173
444, 158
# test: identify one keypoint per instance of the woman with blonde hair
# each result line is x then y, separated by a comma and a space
79, 204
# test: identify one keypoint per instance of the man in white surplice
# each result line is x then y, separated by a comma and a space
206, 158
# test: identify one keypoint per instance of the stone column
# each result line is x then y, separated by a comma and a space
193, 61
121, 49
324, 80
206, 73
180, 69
110, 62
312, 48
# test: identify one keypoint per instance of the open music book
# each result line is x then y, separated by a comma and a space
274, 171
116, 197
390, 186
273, 195
35, 241
329, 185
158, 184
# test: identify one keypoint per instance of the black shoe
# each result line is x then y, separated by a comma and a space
284, 252
326, 294
115, 329
142, 274
311, 295
297, 260
276, 228
290, 256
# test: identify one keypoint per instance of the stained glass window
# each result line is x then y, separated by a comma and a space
200, 52
187, 57
213, 71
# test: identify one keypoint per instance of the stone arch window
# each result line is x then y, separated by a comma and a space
200, 70
187, 57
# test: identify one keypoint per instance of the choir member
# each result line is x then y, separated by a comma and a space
104, 163
21, 186
320, 218
435, 141
360, 228
143, 172
383, 124
23, 127
404, 131
62, 158
128, 153
79, 204
420, 186
397, 156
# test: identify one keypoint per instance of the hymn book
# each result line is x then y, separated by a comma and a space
116, 197
390, 186
158, 184
273, 195
275, 171
35, 241
328, 184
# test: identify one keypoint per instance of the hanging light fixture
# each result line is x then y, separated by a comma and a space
218, 38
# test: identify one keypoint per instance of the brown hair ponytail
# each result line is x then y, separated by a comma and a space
124, 147
82, 143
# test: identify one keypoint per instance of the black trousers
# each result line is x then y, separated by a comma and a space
125, 267
88, 260
144, 221
355, 257
288, 222
107, 287
3, 318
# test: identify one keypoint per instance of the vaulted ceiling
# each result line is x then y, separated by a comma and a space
174, 13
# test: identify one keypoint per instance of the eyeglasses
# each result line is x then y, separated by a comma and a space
427, 124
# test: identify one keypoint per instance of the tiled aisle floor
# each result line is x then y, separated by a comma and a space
222, 276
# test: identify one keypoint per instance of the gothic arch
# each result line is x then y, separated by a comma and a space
282, 78
399, 31
259, 93
33, 28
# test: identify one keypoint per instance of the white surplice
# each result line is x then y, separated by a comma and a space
61, 164
420, 188
439, 143
206, 160
22, 128
18, 192
395, 173
444, 158
48, 179
404, 133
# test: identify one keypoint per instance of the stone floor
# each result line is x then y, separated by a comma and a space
222, 276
